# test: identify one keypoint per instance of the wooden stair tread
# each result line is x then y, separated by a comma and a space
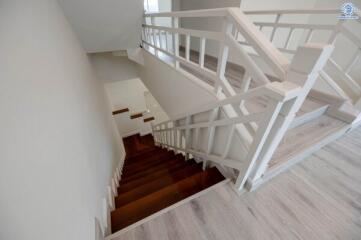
299, 139
141, 157
124, 187
163, 165
123, 110
148, 119
152, 162
156, 184
146, 206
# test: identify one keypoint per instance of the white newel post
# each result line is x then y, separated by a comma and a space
304, 69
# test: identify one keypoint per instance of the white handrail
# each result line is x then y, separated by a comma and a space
272, 56
212, 12
347, 87
292, 11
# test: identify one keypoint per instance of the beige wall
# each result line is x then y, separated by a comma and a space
58, 143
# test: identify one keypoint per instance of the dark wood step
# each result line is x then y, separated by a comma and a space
163, 165
136, 115
136, 166
125, 187
143, 166
152, 203
156, 184
141, 157
120, 111
148, 119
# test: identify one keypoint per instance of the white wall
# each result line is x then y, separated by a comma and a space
58, 143
125, 90
155, 109
175, 92
128, 94
111, 68
209, 24
105, 25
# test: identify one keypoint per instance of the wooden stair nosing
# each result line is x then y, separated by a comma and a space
164, 165
156, 184
124, 187
163, 198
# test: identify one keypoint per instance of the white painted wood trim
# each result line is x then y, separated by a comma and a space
293, 11
308, 117
268, 175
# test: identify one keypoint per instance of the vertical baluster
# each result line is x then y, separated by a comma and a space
187, 136
309, 35
166, 41
229, 141
246, 82
152, 20
146, 34
175, 139
222, 56
143, 33
211, 131
160, 37
196, 139
202, 49
188, 44
278, 17
175, 25
287, 43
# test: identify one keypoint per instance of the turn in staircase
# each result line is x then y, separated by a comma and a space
154, 178
252, 135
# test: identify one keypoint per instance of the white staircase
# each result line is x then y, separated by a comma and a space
267, 115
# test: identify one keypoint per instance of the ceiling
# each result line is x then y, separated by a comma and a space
105, 25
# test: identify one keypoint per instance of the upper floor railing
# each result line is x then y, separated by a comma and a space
287, 29
165, 40
234, 23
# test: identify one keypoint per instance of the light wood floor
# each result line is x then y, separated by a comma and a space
319, 199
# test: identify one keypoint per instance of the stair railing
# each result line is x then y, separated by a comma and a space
336, 76
164, 42
208, 135
198, 138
